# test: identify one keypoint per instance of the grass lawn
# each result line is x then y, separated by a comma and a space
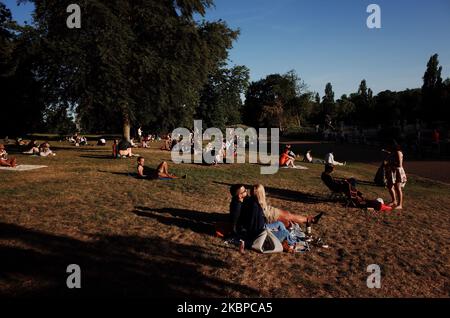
156, 238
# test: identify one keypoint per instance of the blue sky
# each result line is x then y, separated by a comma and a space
328, 40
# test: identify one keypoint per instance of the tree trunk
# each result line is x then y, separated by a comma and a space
126, 128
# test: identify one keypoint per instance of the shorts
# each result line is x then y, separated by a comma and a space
396, 175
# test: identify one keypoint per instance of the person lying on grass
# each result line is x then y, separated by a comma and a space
32, 148
45, 151
307, 157
4, 160
161, 172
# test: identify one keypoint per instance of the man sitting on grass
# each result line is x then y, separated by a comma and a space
348, 187
4, 161
345, 186
161, 173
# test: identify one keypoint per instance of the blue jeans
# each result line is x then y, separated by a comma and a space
281, 233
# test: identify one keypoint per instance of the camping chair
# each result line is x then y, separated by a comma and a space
348, 197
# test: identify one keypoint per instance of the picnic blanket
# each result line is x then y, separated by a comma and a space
296, 167
23, 167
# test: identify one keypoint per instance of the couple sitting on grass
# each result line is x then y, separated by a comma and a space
348, 188
161, 172
250, 215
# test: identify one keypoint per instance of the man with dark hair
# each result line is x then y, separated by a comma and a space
344, 186
238, 194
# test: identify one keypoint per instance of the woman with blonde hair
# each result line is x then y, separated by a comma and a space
273, 214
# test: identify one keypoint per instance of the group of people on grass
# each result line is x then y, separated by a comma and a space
30, 148
392, 174
288, 157
42, 150
250, 215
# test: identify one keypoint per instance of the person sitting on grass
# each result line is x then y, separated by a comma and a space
4, 160
167, 144
309, 158
329, 159
286, 160
338, 186
101, 142
124, 148
45, 151
238, 195
290, 152
161, 172
273, 214
257, 205
32, 148
348, 187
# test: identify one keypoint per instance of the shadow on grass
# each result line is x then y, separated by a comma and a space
34, 264
286, 194
98, 157
199, 222
125, 174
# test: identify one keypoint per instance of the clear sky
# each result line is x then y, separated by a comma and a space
328, 40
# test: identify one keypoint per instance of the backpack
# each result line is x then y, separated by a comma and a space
380, 176
266, 243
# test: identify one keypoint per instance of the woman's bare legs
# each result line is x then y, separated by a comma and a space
9, 162
163, 171
393, 197
288, 218
126, 153
398, 191
290, 163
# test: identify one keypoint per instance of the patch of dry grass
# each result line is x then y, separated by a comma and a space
155, 238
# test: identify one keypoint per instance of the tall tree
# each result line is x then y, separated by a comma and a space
271, 101
328, 103
138, 60
433, 106
220, 102
20, 88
